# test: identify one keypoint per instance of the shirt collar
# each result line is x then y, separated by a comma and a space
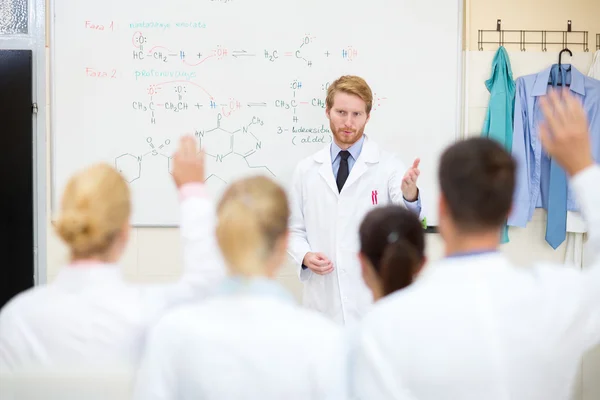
260, 286
81, 275
354, 150
471, 253
540, 87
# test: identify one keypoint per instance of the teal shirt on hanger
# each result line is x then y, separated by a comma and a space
499, 118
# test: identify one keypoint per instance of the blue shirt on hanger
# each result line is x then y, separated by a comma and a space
533, 164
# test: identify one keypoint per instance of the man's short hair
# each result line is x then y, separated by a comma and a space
477, 180
350, 84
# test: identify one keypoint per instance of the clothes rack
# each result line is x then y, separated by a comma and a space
525, 37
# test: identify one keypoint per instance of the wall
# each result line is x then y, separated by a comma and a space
531, 15
153, 254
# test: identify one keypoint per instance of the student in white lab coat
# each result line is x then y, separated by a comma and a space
392, 249
473, 325
250, 341
331, 193
89, 316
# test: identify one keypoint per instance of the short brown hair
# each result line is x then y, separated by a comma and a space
350, 84
477, 180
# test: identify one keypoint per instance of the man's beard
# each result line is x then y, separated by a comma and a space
342, 138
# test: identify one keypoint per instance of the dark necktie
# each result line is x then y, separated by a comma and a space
343, 171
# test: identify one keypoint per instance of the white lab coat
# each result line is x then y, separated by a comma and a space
89, 316
323, 220
478, 327
249, 342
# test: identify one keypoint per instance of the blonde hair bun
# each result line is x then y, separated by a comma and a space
95, 207
79, 231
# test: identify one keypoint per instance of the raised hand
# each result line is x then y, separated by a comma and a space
565, 132
410, 191
188, 162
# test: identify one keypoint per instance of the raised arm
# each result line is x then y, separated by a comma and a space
565, 136
203, 267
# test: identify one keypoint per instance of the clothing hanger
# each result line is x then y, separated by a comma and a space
560, 65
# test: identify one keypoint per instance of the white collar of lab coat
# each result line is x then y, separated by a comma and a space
79, 275
461, 265
255, 286
368, 154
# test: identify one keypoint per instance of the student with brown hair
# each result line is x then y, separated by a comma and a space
332, 191
250, 341
392, 249
89, 316
474, 325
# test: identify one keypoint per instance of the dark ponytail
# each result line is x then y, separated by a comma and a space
399, 266
393, 240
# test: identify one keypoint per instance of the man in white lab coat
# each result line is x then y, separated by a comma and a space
474, 326
332, 191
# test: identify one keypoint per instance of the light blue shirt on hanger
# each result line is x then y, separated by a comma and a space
533, 164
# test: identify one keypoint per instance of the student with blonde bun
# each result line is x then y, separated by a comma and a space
250, 341
89, 316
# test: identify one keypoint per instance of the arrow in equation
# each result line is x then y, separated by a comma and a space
257, 104
242, 53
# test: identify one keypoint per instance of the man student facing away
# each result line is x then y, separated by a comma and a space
473, 325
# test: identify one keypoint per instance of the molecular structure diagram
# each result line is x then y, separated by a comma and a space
236, 147
219, 145
130, 166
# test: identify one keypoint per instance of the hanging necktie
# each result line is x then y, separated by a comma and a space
343, 171
556, 224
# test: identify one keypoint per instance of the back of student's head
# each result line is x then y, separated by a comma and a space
477, 180
94, 212
252, 226
393, 241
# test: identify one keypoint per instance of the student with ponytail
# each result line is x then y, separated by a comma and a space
392, 249
250, 341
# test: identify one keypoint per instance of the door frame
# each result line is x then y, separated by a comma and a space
36, 40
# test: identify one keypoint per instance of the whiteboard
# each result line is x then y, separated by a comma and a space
249, 79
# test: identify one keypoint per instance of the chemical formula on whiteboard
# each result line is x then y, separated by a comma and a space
195, 57
173, 92
218, 143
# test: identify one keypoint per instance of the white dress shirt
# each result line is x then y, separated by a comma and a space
249, 342
477, 327
90, 316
